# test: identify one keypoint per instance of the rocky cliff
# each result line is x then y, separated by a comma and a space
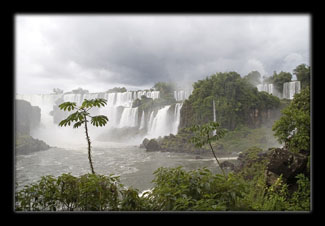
28, 117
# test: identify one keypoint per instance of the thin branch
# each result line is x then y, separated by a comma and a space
215, 155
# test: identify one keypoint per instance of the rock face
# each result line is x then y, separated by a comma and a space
144, 143
286, 163
27, 117
26, 145
246, 160
152, 145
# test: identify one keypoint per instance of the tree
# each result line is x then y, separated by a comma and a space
302, 72
80, 91
279, 79
293, 128
117, 90
253, 78
57, 91
80, 117
205, 134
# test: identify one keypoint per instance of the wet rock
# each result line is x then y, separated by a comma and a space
27, 145
144, 143
288, 164
153, 145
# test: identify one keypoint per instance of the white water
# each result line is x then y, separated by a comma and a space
266, 87
129, 117
142, 122
118, 110
134, 165
290, 89
181, 95
177, 117
160, 125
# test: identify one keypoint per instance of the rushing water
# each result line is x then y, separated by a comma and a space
134, 165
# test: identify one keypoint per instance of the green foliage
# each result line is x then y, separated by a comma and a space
67, 106
89, 192
279, 79
80, 91
253, 78
176, 189
302, 72
301, 197
236, 101
164, 88
293, 128
205, 134
80, 117
117, 90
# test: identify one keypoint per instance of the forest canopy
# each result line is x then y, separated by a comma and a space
237, 101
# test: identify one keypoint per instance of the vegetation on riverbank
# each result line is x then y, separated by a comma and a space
175, 189
276, 179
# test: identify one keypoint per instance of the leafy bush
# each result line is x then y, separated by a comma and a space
176, 189
89, 192
293, 128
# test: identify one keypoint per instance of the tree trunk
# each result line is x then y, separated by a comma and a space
223, 172
89, 148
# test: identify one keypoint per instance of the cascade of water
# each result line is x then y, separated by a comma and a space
290, 89
266, 87
177, 117
142, 121
181, 95
129, 118
118, 110
160, 125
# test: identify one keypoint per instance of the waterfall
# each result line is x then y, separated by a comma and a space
266, 87
150, 120
290, 89
119, 111
142, 121
129, 118
160, 125
177, 118
181, 95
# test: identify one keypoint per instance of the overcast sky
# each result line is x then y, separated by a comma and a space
99, 52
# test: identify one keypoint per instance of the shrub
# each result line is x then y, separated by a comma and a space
89, 192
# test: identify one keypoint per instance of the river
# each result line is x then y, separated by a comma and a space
134, 165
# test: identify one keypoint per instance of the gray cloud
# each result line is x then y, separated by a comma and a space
99, 52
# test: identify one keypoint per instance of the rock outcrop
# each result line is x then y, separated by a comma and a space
27, 145
278, 162
27, 117
152, 145
285, 163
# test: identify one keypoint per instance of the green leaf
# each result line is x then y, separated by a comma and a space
77, 124
99, 120
67, 106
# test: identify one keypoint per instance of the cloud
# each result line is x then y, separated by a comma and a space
100, 52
